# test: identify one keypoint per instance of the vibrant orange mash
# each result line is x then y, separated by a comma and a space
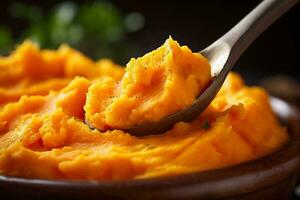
161, 82
45, 97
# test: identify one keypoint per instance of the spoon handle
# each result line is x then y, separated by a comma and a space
256, 22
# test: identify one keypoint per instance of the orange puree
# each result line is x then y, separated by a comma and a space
160, 83
45, 97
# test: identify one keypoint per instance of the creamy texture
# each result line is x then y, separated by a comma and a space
158, 84
45, 97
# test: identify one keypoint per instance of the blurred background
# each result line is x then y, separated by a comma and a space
123, 29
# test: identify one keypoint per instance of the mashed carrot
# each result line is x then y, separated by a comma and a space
160, 83
45, 97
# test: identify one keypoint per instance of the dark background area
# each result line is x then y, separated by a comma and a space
197, 24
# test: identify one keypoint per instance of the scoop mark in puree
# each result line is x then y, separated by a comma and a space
46, 95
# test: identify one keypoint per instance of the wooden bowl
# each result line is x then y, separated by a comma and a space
271, 177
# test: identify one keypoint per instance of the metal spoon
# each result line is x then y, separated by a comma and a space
222, 56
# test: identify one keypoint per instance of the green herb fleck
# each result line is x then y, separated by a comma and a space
206, 124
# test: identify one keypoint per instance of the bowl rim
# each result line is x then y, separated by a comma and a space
238, 179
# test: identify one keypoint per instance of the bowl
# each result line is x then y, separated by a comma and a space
270, 177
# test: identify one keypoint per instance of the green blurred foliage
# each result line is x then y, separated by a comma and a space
97, 28
5, 39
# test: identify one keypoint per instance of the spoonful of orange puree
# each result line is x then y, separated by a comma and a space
161, 82
171, 83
